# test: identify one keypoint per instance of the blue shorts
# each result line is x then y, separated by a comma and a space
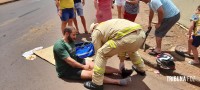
67, 13
196, 41
78, 8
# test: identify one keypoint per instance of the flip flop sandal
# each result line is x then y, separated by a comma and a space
184, 54
152, 48
86, 32
153, 53
193, 62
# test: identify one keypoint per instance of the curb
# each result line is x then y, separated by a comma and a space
9, 1
195, 81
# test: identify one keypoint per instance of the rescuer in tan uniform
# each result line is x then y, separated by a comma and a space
113, 37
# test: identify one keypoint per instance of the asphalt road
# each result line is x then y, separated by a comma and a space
27, 24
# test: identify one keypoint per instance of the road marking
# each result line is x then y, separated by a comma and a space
16, 18
8, 21
28, 12
35, 0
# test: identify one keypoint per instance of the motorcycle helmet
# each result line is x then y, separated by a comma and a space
165, 61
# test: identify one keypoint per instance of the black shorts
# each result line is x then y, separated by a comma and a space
166, 25
196, 41
74, 73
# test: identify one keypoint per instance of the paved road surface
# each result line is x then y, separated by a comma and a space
27, 24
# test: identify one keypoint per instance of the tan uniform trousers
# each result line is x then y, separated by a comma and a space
129, 44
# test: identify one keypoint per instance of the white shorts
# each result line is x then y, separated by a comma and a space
120, 2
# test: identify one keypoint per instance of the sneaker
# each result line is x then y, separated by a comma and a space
92, 86
194, 62
142, 73
125, 73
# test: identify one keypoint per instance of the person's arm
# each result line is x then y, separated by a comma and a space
83, 2
63, 54
76, 64
151, 14
96, 4
57, 2
191, 28
160, 16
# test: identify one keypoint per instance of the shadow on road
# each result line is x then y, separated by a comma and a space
73, 81
136, 84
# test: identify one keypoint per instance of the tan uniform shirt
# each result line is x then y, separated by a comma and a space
108, 30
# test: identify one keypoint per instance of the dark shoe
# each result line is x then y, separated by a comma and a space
142, 73
126, 73
184, 54
86, 32
153, 53
92, 86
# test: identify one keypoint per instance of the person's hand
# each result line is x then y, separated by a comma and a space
100, 13
189, 33
149, 25
86, 67
157, 25
149, 28
121, 66
60, 12
83, 3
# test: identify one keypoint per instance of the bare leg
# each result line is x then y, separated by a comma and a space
195, 53
189, 45
70, 22
158, 44
88, 75
119, 9
76, 24
84, 23
108, 70
122, 12
63, 25
110, 80
85, 74
122, 57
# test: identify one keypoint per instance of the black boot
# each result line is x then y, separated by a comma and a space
142, 73
125, 73
92, 86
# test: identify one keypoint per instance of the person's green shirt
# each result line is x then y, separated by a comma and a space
61, 51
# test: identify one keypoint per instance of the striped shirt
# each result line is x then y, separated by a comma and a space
168, 6
196, 19
132, 8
